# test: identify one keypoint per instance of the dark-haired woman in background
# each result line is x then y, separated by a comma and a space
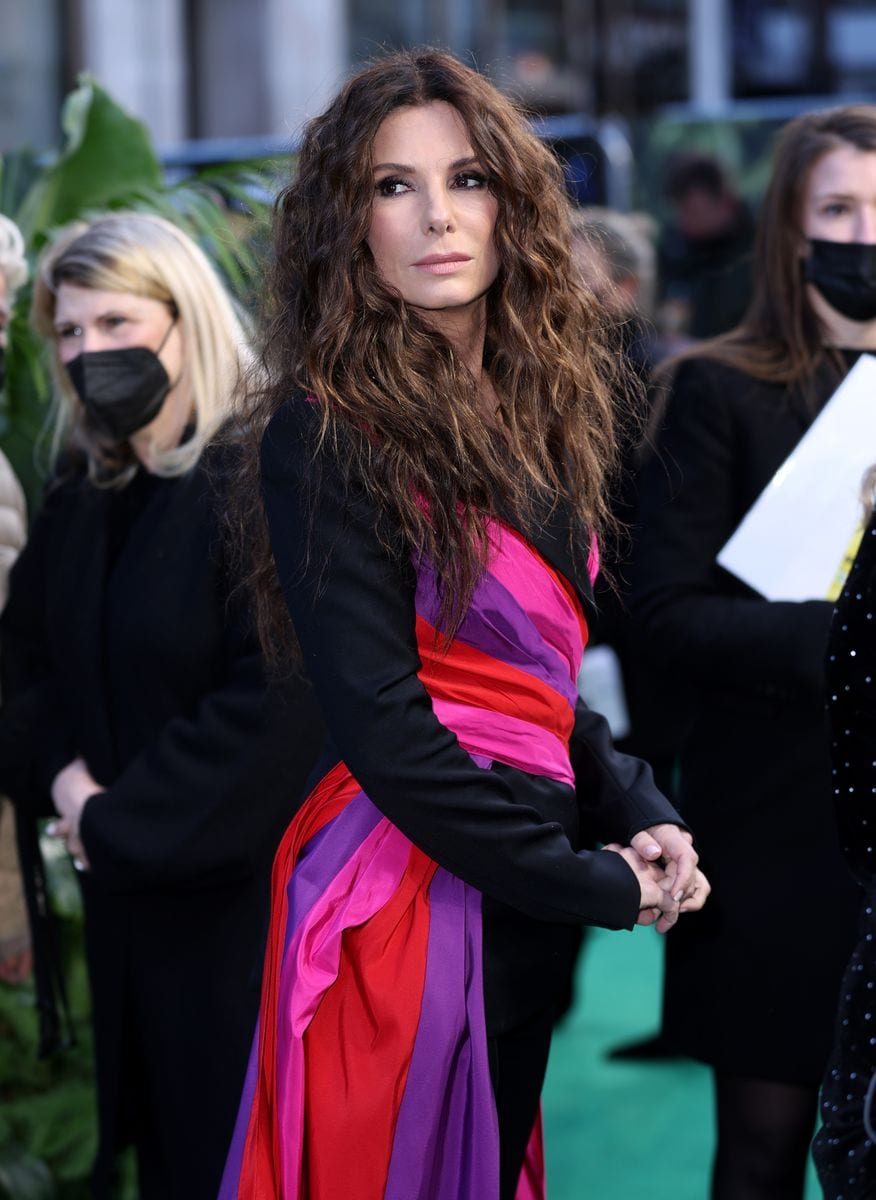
438, 427
752, 983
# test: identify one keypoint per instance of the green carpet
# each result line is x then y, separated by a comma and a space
624, 1131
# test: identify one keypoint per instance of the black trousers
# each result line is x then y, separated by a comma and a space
518, 1061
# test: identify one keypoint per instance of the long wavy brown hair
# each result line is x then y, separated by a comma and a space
781, 339
391, 388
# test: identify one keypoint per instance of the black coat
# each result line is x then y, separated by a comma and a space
121, 644
516, 837
752, 981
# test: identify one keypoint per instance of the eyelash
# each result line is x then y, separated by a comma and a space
385, 186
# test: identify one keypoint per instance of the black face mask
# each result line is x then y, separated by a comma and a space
121, 390
845, 274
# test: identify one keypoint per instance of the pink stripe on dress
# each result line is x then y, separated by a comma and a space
507, 739
521, 571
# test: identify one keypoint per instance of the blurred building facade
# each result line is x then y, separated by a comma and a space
208, 68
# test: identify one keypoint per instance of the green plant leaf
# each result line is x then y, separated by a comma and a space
108, 155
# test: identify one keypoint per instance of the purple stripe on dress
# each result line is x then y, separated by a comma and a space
323, 856
319, 861
446, 1142
496, 625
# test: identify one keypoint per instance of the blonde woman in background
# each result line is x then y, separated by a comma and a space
136, 687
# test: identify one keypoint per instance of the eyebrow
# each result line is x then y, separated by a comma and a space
409, 170
835, 196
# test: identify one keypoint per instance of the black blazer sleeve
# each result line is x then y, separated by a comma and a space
352, 603
696, 619
617, 795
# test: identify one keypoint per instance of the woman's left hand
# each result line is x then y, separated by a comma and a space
674, 846
698, 894
72, 787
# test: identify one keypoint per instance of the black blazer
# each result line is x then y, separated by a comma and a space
514, 836
123, 643
751, 987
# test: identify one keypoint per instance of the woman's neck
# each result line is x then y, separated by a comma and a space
166, 431
465, 328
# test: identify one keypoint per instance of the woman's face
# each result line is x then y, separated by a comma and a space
433, 215
87, 319
840, 201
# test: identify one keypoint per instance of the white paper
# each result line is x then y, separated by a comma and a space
797, 540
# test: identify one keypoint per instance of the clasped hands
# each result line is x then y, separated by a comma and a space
665, 864
71, 789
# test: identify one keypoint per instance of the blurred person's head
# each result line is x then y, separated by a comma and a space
13, 274
703, 197
616, 256
148, 351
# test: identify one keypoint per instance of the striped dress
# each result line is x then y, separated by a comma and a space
369, 1075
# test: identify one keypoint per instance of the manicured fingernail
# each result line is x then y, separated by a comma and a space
679, 896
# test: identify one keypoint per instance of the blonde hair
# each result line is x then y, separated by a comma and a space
145, 255
13, 264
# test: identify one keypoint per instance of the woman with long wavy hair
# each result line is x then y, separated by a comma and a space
752, 983
435, 438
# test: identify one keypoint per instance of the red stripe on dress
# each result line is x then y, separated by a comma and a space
462, 673
359, 1044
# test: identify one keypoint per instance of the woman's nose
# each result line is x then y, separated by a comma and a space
93, 340
438, 212
865, 230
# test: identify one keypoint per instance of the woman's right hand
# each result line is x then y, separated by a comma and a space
656, 905
72, 788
